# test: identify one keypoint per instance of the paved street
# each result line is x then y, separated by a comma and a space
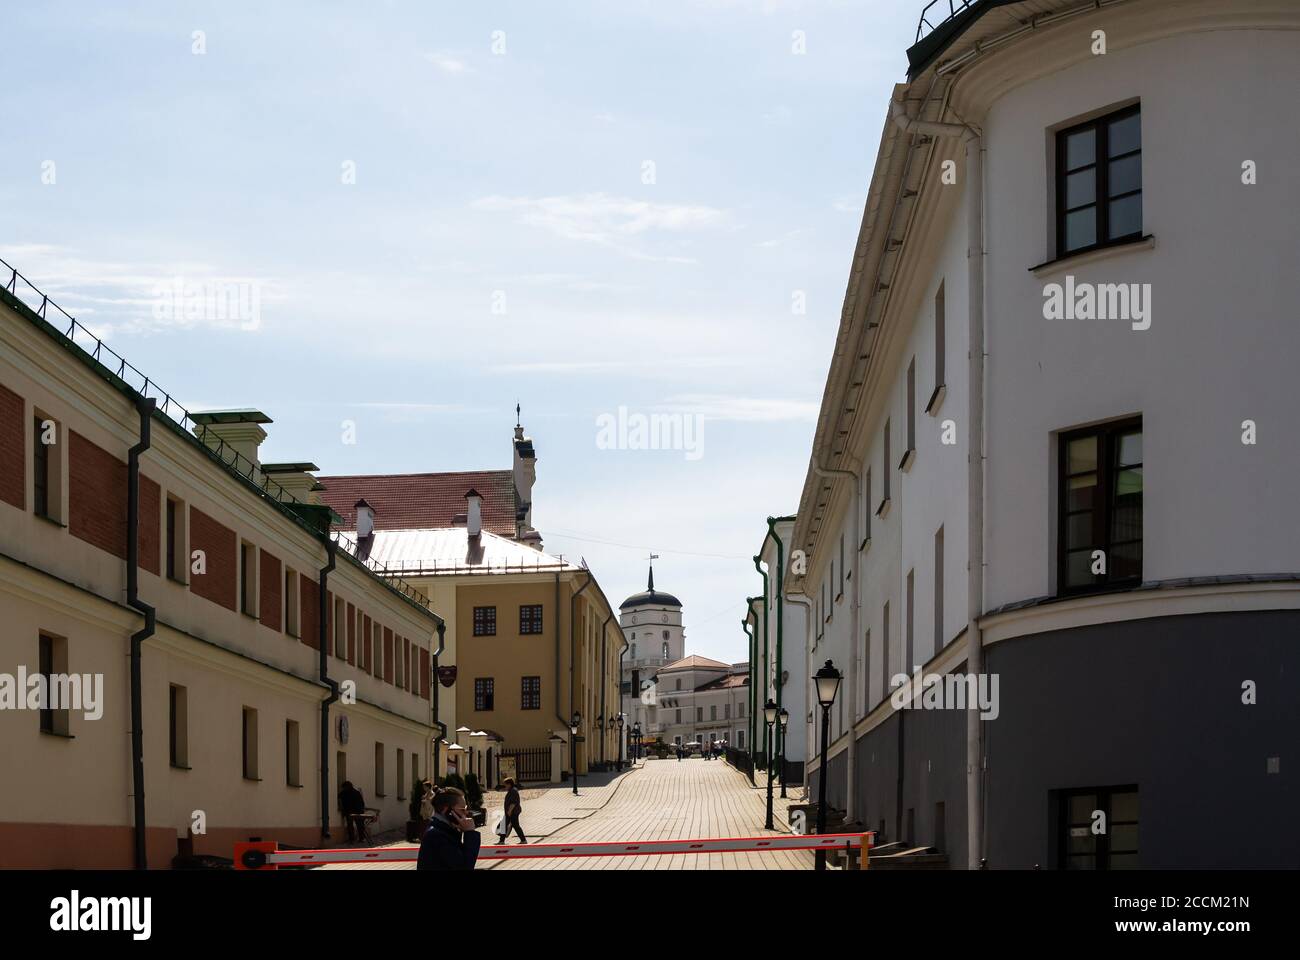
660, 800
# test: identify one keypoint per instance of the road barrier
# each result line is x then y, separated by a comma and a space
267, 855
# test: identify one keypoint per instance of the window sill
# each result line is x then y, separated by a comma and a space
252, 779
1049, 267
61, 736
176, 580
865, 545
909, 458
294, 786
882, 511
250, 616
936, 400
51, 521
181, 766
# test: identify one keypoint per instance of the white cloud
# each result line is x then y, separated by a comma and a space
446, 63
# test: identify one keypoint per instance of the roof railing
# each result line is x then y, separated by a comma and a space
954, 7
79, 336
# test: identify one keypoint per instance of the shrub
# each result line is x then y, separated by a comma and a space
473, 792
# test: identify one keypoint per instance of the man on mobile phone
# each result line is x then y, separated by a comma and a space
451, 842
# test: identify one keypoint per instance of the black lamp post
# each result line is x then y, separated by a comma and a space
636, 742
769, 716
784, 717
827, 680
574, 726
620, 742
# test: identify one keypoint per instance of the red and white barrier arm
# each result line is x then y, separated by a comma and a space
268, 856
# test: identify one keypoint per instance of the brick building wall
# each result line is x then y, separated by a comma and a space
13, 450
269, 599
220, 548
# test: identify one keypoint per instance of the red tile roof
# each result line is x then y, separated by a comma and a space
413, 501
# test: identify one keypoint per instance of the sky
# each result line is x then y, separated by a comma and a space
384, 224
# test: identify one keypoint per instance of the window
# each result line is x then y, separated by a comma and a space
938, 590
379, 770
291, 769
841, 580
909, 663
47, 473
530, 618
1099, 182
484, 695
401, 774
678, 719
740, 739
485, 621
910, 453
531, 693
399, 669
52, 654
864, 660
866, 493
291, 608
884, 641
1100, 503
177, 568
884, 492
247, 578
377, 650
1114, 812
740, 710
340, 628
713, 711
633, 651
250, 744
699, 714
663, 653
178, 727
726, 711
679, 685
940, 352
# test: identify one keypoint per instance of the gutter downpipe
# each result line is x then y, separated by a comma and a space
604, 736
331, 548
573, 661
441, 735
744, 625
780, 629
618, 747
763, 573
851, 671
975, 459
564, 723
145, 407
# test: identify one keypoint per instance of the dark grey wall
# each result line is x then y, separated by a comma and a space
1158, 703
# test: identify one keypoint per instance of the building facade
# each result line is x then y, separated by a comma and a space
1047, 469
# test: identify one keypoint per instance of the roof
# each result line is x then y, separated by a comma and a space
230, 416
448, 550
729, 681
695, 662
424, 501
650, 597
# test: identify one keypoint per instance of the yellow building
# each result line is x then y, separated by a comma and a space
222, 666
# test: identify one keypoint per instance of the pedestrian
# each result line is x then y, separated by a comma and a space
513, 806
426, 806
352, 803
451, 842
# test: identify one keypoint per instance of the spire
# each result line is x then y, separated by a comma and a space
650, 583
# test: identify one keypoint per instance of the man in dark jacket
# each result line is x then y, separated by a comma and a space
451, 842
512, 808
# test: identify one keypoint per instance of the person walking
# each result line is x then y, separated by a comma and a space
451, 842
513, 806
352, 804
426, 806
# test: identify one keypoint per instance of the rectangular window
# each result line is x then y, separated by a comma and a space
379, 770
177, 567
1099, 533
377, 657
484, 695
726, 711
713, 711
887, 471
52, 659
485, 621
340, 628
1099, 182
47, 473
292, 773
910, 454
401, 774
1116, 848
530, 618
530, 693
247, 578
866, 672
940, 352
841, 581
909, 663
678, 719
884, 644
399, 659
699, 714
178, 726
250, 744
938, 590
866, 493
291, 607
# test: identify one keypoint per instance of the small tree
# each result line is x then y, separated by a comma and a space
473, 792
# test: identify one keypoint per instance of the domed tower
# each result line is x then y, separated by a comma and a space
652, 623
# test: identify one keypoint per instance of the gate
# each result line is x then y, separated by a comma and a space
531, 763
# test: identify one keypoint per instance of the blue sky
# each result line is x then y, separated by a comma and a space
483, 178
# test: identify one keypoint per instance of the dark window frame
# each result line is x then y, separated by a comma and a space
1108, 435
530, 693
530, 619
1100, 165
1104, 802
485, 694
485, 621
41, 470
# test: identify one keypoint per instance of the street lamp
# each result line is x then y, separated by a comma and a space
620, 742
574, 725
784, 717
769, 715
636, 742
827, 680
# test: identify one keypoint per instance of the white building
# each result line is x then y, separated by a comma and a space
1089, 504
652, 623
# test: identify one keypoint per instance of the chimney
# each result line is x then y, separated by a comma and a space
365, 519
525, 475
296, 479
241, 431
473, 513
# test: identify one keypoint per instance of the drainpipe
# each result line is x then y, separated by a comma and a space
780, 624
323, 635
563, 720
627, 718
441, 735
975, 460
763, 573
144, 407
855, 630
744, 625
573, 660
605, 726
